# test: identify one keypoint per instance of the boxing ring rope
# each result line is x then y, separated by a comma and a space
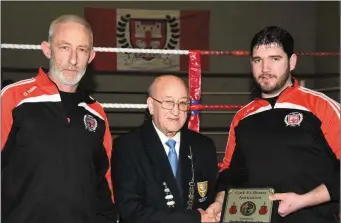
157, 51
194, 75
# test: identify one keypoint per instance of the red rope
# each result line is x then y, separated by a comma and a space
318, 53
221, 53
247, 53
197, 107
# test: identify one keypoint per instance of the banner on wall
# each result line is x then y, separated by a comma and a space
148, 29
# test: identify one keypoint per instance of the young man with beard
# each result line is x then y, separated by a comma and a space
55, 139
287, 138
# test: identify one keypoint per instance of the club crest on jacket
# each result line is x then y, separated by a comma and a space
90, 123
293, 119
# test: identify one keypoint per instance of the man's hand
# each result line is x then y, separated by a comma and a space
205, 217
288, 203
214, 210
291, 202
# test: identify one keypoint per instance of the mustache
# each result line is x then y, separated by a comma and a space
70, 68
52, 64
266, 75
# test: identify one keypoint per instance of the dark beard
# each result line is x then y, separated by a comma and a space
279, 85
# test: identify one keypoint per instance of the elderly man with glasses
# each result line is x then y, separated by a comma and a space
162, 171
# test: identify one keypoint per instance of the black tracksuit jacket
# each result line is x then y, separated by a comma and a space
54, 161
293, 146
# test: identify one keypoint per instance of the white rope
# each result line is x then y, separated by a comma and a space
101, 49
106, 49
115, 105
20, 46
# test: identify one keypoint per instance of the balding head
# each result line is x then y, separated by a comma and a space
70, 19
165, 80
168, 89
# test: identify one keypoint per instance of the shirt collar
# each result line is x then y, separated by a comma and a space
164, 138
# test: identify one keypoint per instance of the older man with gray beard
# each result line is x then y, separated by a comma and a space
55, 139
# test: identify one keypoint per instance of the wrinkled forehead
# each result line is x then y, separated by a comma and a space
72, 31
172, 91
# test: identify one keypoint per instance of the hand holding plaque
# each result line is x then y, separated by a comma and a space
247, 205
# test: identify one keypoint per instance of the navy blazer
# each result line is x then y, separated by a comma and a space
142, 177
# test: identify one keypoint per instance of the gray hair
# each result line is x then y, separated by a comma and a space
70, 18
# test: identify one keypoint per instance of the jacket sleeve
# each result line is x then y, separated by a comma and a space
129, 193
106, 210
7, 105
212, 168
233, 171
328, 111
333, 183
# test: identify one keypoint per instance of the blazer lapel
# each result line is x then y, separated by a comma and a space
186, 165
158, 158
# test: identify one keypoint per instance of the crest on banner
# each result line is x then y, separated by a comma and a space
141, 29
148, 34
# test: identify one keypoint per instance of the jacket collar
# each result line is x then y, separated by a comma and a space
286, 93
44, 81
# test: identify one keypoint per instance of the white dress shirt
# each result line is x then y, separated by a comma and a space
164, 139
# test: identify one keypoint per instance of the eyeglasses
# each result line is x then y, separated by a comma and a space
183, 106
